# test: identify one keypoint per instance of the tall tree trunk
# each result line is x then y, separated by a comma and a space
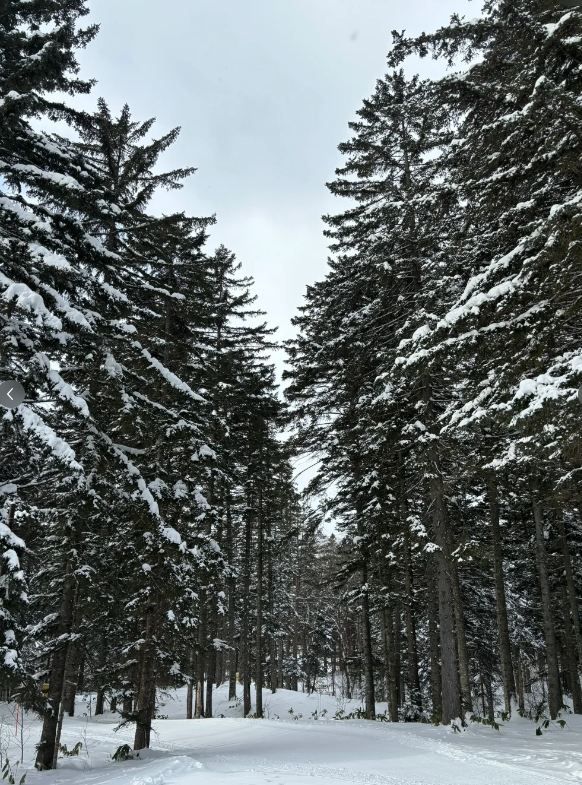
273, 649
219, 670
571, 656
245, 664
410, 627
280, 661
201, 657
74, 661
441, 532
296, 618
433, 636
461, 635
369, 698
451, 697
210, 679
146, 684
389, 665
48, 746
519, 685
554, 688
397, 634
490, 700
507, 673
99, 700
367, 643
100, 676
574, 611
190, 688
231, 583
61, 714
259, 633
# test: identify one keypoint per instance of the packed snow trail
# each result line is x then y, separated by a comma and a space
305, 751
275, 752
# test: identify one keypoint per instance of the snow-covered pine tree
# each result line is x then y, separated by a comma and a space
152, 358
350, 332
513, 163
46, 305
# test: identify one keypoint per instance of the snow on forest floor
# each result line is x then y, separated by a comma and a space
303, 751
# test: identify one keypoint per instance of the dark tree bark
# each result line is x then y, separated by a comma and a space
369, 698
146, 684
273, 648
245, 664
391, 686
571, 657
519, 681
451, 697
554, 688
461, 636
231, 584
210, 680
48, 747
74, 662
99, 701
410, 626
434, 638
201, 657
572, 603
259, 678
500, 598
296, 623
397, 627
191, 687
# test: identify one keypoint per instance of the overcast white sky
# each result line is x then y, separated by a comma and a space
263, 91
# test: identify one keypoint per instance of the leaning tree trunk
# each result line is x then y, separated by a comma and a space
48, 747
554, 687
507, 673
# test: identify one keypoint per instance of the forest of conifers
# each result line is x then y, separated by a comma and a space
152, 533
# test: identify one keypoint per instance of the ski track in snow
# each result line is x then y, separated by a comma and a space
235, 751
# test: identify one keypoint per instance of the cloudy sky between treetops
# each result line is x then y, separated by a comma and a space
263, 91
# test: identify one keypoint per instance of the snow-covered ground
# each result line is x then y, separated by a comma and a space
282, 750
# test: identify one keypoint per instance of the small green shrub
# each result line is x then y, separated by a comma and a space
124, 753
71, 753
9, 776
